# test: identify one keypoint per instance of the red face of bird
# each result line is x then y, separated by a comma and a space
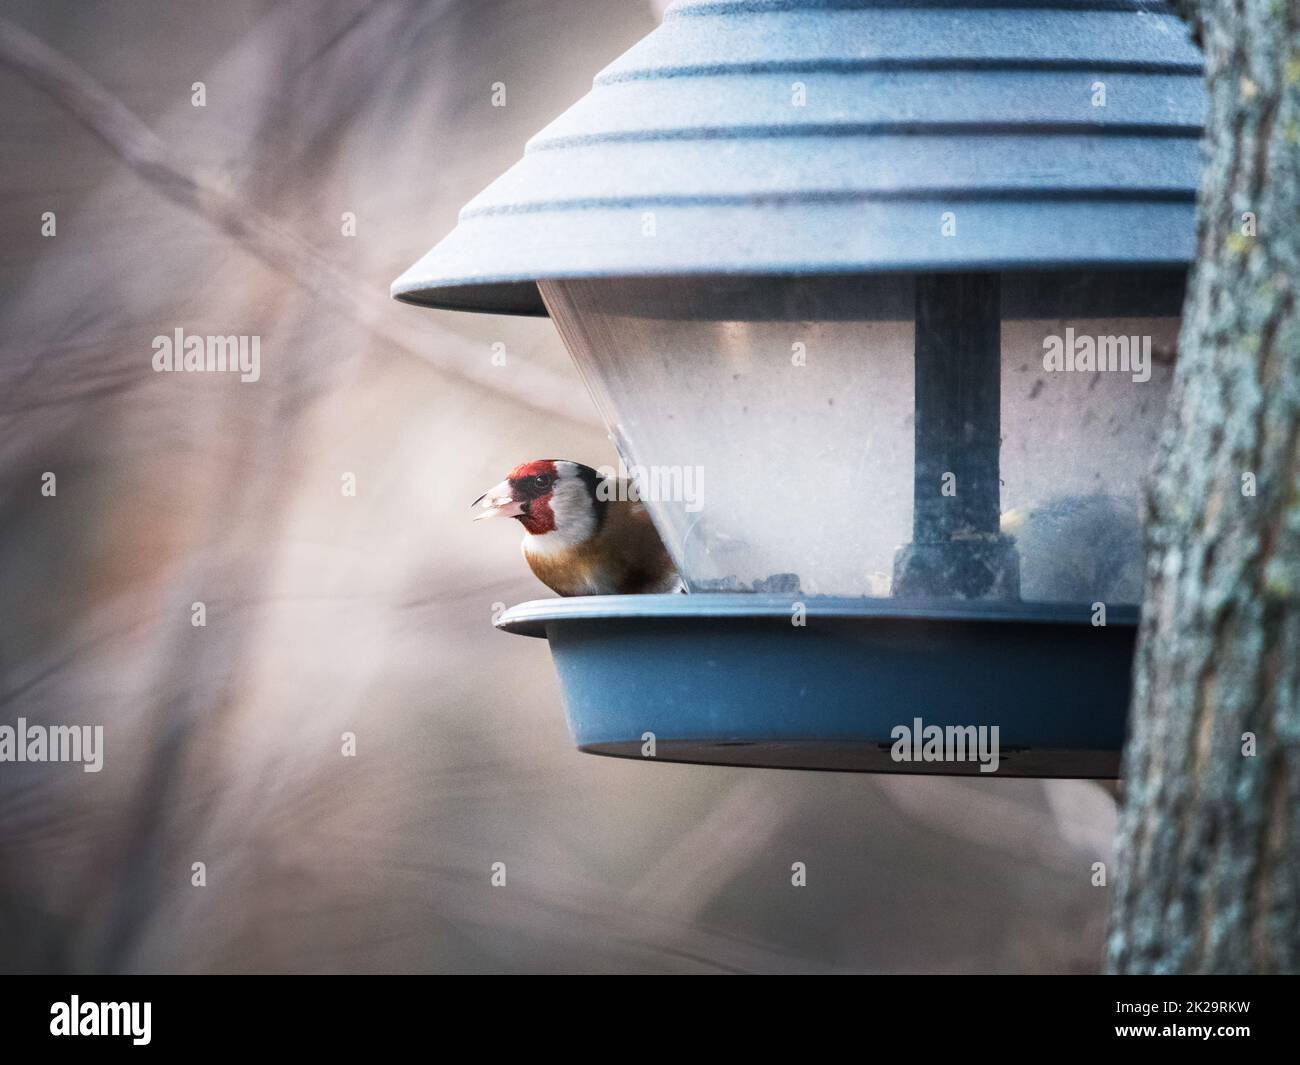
546, 496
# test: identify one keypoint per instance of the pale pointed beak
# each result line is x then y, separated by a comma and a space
498, 502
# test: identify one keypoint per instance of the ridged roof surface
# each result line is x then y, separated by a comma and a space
814, 136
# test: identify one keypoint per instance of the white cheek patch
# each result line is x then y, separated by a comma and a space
575, 519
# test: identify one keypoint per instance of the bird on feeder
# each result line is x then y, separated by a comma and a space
583, 535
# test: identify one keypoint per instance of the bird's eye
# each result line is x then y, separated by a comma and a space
542, 481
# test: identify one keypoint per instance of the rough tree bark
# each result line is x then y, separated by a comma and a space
1209, 838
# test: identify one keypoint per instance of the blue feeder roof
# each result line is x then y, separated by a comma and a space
823, 137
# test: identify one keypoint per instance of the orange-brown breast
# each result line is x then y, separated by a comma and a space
625, 557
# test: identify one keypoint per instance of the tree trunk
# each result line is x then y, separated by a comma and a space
1209, 838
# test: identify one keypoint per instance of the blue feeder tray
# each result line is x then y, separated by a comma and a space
725, 679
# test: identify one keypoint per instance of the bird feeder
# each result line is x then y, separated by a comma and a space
897, 285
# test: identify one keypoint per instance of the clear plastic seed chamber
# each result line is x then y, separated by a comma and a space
880, 304
789, 408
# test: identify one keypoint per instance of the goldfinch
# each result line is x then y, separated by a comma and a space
582, 536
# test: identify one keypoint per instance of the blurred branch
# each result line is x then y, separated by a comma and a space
989, 820
688, 876
266, 238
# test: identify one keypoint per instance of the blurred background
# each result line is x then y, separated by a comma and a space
329, 613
